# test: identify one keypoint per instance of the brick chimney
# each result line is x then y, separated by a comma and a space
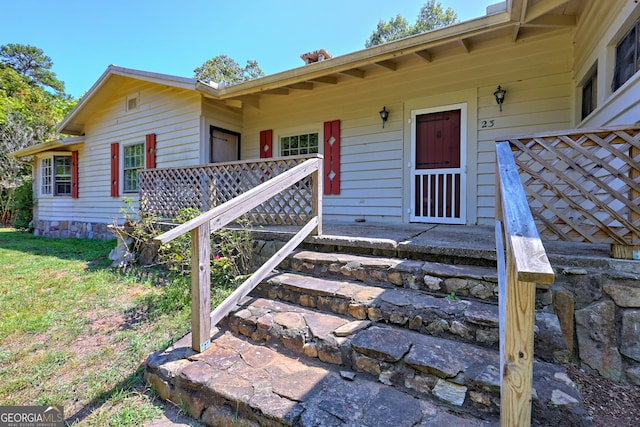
315, 56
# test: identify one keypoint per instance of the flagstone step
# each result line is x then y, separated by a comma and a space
418, 375
453, 371
471, 281
460, 320
236, 382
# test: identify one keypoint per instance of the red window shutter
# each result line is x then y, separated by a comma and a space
332, 157
74, 174
115, 165
266, 143
150, 148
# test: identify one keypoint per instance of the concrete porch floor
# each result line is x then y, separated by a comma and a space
449, 240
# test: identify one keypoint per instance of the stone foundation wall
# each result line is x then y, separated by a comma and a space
599, 310
72, 229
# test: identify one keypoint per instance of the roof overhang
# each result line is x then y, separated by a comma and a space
72, 123
511, 19
56, 144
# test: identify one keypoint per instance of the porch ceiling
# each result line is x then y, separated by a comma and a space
525, 18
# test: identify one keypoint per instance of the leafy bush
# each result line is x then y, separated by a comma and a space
231, 248
23, 205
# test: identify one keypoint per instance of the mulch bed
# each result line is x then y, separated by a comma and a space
609, 403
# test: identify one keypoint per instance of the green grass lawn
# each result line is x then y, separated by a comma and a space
75, 332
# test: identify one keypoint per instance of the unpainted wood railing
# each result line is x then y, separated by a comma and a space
522, 263
201, 227
163, 192
583, 185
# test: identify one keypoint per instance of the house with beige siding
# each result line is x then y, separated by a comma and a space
563, 64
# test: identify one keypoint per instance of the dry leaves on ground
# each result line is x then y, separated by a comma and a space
609, 403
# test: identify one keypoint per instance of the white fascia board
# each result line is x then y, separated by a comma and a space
47, 146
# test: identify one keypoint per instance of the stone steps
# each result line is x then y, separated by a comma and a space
459, 374
460, 320
470, 281
236, 382
355, 340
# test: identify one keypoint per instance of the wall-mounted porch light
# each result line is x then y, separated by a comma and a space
384, 115
499, 94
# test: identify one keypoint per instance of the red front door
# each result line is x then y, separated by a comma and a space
437, 168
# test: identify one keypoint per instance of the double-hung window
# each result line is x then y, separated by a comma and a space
56, 176
627, 57
299, 145
132, 164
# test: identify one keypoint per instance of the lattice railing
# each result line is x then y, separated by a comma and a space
583, 185
163, 192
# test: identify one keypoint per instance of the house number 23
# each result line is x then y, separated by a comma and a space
487, 124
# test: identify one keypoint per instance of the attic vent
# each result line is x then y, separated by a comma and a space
315, 56
132, 103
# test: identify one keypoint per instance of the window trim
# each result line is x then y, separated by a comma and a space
124, 168
48, 173
590, 80
299, 133
617, 81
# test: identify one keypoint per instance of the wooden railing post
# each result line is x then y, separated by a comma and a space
524, 264
200, 287
316, 201
517, 320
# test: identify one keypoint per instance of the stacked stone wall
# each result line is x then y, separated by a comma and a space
600, 314
72, 229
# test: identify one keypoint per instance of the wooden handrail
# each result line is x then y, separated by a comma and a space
524, 265
203, 225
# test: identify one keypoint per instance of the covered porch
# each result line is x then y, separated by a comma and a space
582, 186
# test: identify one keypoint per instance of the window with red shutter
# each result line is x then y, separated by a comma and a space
115, 168
74, 175
150, 149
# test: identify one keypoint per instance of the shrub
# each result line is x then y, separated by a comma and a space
23, 205
231, 248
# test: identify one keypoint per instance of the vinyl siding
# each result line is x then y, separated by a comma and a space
172, 114
374, 177
598, 31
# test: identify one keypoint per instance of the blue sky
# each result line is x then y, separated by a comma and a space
83, 37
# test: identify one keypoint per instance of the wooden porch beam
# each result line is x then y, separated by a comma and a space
235, 103
326, 79
388, 64
354, 72
553, 21
302, 86
516, 32
251, 100
466, 44
277, 91
540, 8
425, 54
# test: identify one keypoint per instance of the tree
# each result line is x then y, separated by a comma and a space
432, 15
29, 111
32, 63
222, 69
